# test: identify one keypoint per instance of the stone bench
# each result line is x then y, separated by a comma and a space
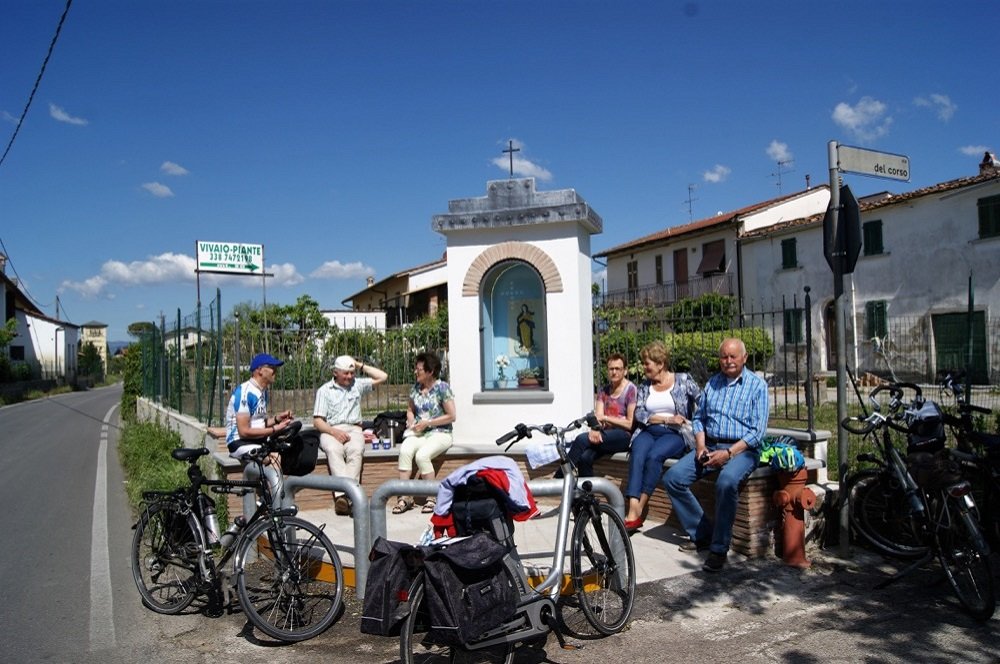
756, 516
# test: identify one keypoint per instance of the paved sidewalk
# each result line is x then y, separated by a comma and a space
655, 546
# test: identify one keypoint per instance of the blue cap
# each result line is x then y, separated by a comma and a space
260, 360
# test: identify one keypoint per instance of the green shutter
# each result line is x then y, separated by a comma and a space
872, 237
876, 323
989, 216
789, 259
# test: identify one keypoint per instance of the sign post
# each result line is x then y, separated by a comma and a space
842, 245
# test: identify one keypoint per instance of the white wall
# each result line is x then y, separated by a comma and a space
569, 380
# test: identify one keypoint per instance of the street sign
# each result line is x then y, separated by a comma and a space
869, 162
234, 257
842, 233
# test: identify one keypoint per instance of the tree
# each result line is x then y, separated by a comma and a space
141, 328
90, 362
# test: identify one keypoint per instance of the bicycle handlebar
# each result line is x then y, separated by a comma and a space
522, 431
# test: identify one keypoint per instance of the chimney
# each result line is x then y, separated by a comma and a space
989, 164
371, 281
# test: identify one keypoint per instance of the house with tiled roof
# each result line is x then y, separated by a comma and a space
46, 346
700, 257
401, 297
911, 281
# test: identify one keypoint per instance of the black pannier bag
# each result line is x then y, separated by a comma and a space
468, 590
300, 457
393, 566
390, 425
925, 427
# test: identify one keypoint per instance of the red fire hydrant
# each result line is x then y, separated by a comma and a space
794, 498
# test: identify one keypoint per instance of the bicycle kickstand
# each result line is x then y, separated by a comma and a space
906, 570
553, 624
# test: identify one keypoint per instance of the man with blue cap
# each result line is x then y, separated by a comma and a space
247, 420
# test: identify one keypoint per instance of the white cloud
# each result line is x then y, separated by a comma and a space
865, 121
59, 114
165, 268
285, 274
522, 167
974, 150
941, 104
170, 168
779, 151
338, 270
8, 117
157, 189
718, 174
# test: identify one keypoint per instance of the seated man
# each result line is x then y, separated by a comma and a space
247, 421
729, 424
337, 417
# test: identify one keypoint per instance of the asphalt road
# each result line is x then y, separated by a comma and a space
68, 595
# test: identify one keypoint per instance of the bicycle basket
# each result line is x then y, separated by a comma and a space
925, 428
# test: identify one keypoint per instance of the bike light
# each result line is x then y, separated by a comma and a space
959, 490
403, 595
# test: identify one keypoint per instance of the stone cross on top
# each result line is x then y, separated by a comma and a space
511, 150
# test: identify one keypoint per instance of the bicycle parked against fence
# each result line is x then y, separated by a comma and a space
919, 507
285, 571
979, 454
602, 569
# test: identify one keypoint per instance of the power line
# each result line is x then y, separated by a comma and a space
38, 82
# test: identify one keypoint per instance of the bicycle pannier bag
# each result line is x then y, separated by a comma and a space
300, 458
393, 566
926, 429
477, 507
469, 591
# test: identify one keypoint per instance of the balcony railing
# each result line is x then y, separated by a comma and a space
668, 293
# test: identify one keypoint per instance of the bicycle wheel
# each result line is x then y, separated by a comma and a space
289, 579
878, 514
967, 569
165, 558
603, 568
416, 646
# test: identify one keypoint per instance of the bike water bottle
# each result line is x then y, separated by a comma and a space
229, 537
208, 517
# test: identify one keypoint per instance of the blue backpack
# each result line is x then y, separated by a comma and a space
782, 453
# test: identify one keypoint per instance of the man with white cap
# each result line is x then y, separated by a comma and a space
247, 420
337, 416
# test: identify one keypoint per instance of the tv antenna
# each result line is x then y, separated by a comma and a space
782, 163
690, 199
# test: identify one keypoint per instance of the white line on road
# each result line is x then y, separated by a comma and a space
102, 614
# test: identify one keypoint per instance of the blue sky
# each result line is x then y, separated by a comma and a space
331, 132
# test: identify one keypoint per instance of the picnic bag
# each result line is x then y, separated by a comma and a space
393, 566
468, 590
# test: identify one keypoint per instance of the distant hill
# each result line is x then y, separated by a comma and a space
115, 346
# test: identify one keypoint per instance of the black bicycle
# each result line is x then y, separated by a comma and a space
602, 569
920, 506
285, 571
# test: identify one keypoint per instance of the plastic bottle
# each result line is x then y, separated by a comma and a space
208, 518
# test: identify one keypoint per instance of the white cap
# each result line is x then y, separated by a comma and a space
344, 363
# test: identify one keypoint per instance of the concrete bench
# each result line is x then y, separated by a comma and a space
753, 530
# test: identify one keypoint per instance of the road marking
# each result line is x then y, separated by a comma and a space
102, 613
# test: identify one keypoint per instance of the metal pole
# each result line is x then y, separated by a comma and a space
838, 308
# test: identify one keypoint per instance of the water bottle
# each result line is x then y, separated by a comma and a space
207, 506
228, 538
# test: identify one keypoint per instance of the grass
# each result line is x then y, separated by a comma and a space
144, 450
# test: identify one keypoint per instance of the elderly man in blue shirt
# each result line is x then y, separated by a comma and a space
729, 425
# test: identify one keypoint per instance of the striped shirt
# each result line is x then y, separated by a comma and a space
733, 411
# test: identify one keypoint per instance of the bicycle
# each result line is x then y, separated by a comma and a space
602, 569
979, 454
925, 507
287, 575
